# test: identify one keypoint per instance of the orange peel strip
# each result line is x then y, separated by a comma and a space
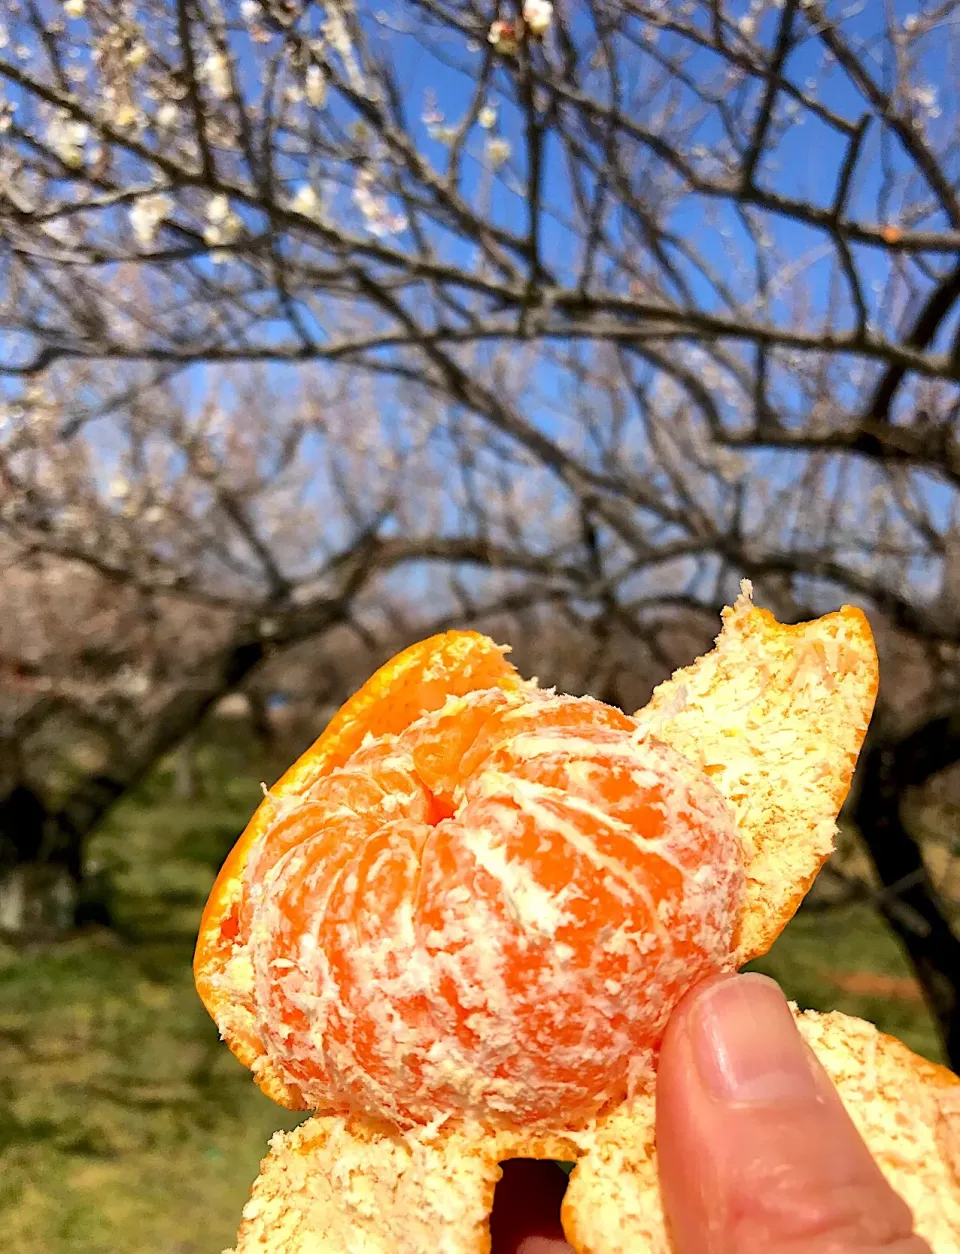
776, 715
336, 1183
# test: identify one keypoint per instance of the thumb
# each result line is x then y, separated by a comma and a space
755, 1148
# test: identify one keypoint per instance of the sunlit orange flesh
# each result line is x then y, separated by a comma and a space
489, 912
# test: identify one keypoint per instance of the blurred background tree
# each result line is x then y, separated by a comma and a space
327, 326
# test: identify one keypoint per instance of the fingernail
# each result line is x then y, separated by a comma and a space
746, 1045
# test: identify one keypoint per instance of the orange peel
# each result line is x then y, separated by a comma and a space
453, 810
338, 1183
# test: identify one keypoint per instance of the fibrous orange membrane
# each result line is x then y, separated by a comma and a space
489, 913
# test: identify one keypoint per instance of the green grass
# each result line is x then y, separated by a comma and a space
818, 950
126, 1126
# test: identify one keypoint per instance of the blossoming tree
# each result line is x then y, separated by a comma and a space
673, 287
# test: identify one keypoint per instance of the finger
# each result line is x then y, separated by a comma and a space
526, 1209
755, 1148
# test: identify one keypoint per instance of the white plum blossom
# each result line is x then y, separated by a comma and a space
375, 210
926, 97
217, 208
249, 10
498, 151
316, 86
306, 202
133, 683
537, 16
75, 8
167, 116
125, 112
67, 138
487, 117
336, 33
147, 214
223, 225
505, 37
216, 74
432, 114
433, 119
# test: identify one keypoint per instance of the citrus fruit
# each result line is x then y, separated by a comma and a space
485, 909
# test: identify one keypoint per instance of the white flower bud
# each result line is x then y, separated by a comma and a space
223, 225
306, 202
505, 37
537, 16
316, 86
146, 215
167, 116
498, 151
67, 138
216, 73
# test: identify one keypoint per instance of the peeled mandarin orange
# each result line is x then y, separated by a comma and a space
486, 912
470, 904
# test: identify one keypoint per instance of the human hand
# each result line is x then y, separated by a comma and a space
756, 1151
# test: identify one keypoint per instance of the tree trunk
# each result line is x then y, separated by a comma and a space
260, 720
39, 884
42, 884
911, 904
88, 803
186, 784
65, 832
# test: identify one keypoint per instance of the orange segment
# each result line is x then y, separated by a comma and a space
299, 889
450, 746
377, 785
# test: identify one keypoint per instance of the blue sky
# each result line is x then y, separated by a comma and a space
804, 165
